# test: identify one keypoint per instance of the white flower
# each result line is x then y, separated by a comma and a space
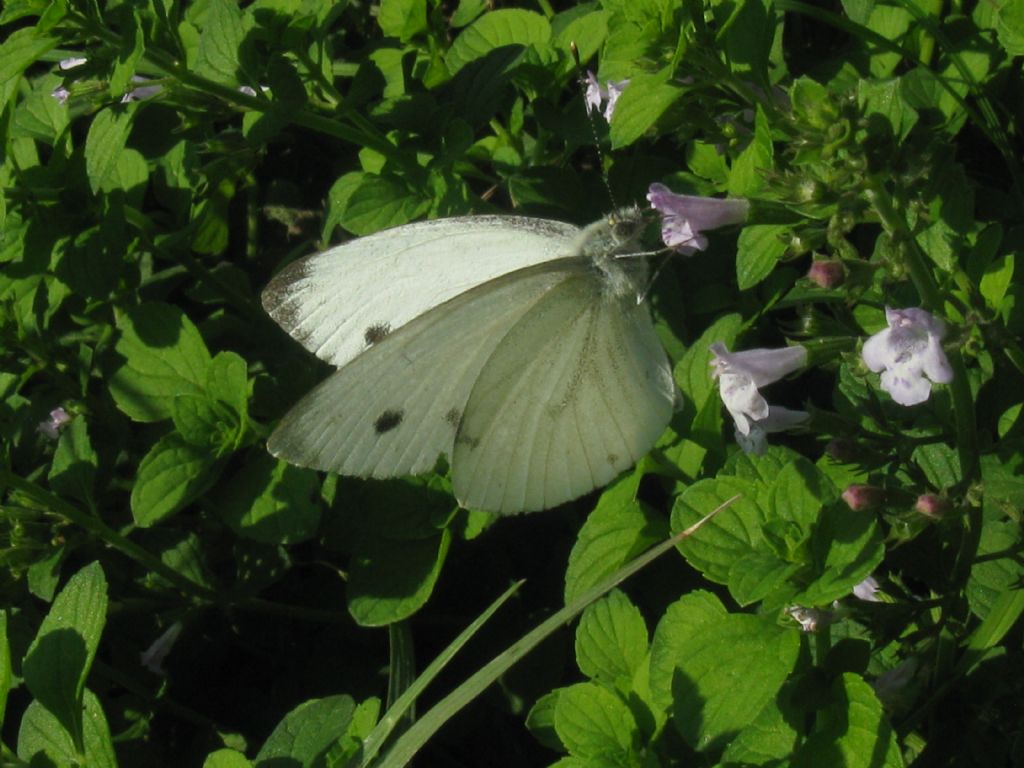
867, 590
153, 657
51, 428
71, 63
608, 93
809, 619
741, 374
684, 218
909, 355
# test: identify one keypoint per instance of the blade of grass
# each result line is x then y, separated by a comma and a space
394, 714
412, 740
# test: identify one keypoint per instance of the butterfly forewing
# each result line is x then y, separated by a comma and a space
339, 302
395, 408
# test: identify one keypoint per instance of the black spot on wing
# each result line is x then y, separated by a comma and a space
376, 332
453, 418
613, 459
388, 420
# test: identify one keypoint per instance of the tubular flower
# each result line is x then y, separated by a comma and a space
741, 374
909, 355
684, 218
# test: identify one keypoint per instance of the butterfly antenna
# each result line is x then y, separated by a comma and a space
581, 79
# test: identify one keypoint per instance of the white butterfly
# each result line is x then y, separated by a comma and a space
517, 347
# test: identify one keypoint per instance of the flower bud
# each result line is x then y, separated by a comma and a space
933, 506
863, 497
827, 273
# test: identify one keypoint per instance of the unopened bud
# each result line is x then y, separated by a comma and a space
827, 273
862, 497
930, 505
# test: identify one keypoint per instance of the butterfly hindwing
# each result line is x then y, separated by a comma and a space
393, 409
575, 393
342, 301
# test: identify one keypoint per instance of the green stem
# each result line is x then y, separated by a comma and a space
95, 526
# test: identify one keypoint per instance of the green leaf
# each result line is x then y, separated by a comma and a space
216, 418
769, 739
891, 23
852, 731
641, 105
693, 372
749, 33
390, 579
226, 758
307, 732
996, 569
403, 19
728, 669
63, 650
164, 356
1010, 27
732, 534
364, 203
885, 99
223, 33
616, 531
681, 618
74, 462
133, 45
759, 249
41, 734
940, 464
170, 477
108, 134
847, 546
997, 279
611, 639
271, 501
747, 175
497, 29
21, 49
592, 722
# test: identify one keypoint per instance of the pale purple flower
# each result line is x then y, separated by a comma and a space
51, 428
741, 374
867, 590
608, 94
61, 94
153, 657
684, 218
909, 355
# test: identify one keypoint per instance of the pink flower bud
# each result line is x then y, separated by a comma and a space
863, 497
827, 273
930, 505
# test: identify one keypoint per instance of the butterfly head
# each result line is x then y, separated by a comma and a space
625, 225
